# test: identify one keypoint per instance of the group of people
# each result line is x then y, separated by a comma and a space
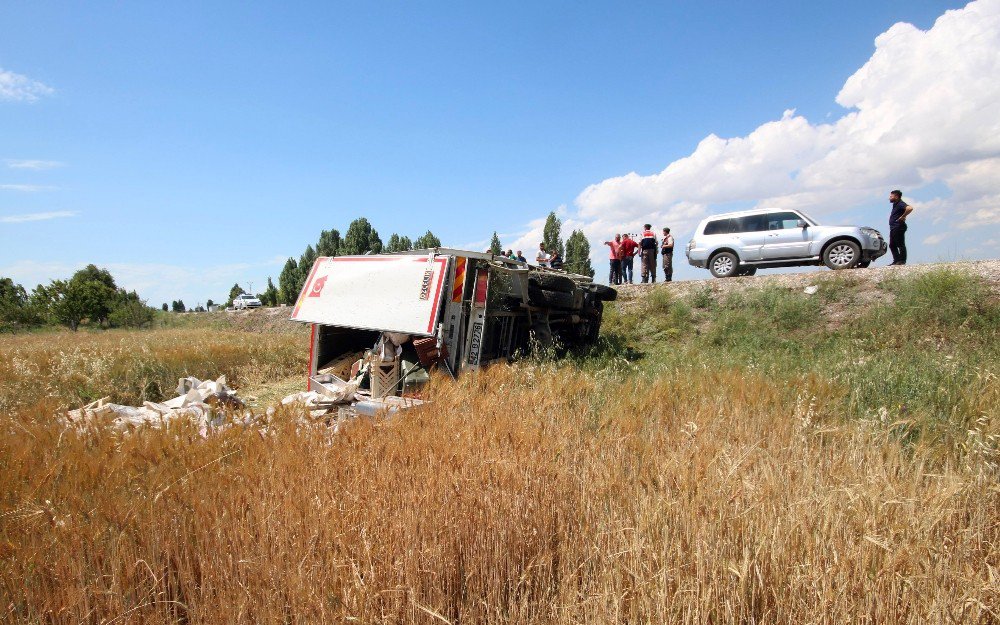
624, 248
519, 257
552, 260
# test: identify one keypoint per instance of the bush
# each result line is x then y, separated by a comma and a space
131, 314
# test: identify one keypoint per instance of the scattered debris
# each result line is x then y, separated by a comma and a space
334, 396
811, 289
202, 402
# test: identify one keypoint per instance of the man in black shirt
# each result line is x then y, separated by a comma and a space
897, 227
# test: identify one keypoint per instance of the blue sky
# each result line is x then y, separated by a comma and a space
187, 146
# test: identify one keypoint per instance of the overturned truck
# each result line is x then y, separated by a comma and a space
380, 323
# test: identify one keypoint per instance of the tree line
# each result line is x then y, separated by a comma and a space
90, 295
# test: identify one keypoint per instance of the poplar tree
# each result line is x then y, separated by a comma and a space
578, 254
550, 235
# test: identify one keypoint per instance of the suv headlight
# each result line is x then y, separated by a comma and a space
690, 245
870, 232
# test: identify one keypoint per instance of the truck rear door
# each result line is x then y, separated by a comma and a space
388, 293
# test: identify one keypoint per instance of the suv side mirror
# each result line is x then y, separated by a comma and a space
802, 224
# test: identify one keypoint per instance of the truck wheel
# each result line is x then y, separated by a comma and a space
542, 333
724, 265
551, 282
594, 326
842, 255
603, 292
551, 299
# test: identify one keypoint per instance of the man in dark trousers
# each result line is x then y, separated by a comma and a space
615, 277
667, 255
897, 227
647, 245
627, 252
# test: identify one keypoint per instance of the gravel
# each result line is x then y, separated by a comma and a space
865, 280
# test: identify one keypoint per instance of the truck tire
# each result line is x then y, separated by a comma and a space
594, 327
552, 282
552, 299
602, 292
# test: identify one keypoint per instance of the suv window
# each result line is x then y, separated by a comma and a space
750, 223
782, 221
719, 226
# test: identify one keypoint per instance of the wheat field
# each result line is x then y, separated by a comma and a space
539, 492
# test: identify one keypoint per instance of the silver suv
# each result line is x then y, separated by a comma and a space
736, 244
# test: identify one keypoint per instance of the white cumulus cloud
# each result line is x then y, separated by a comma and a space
17, 219
925, 108
19, 88
32, 164
27, 188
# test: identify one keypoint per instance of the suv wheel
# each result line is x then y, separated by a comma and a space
842, 255
724, 265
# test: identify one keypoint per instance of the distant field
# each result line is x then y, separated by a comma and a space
726, 453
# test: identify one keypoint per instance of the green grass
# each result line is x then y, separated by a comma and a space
923, 351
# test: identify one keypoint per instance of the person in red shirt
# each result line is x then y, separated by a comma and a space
629, 249
615, 277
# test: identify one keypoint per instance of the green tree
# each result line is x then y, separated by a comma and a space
427, 241
394, 244
306, 262
89, 294
164, 307
178, 306
405, 244
234, 292
129, 311
270, 295
358, 238
287, 281
495, 247
550, 234
374, 242
68, 309
329, 243
14, 311
43, 302
578, 254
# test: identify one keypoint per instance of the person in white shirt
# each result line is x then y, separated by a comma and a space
543, 257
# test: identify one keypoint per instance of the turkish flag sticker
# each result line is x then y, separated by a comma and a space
317, 287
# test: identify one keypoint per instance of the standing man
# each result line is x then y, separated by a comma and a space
615, 275
648, 254
667, 254
543, 257
897, 227
628, 251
